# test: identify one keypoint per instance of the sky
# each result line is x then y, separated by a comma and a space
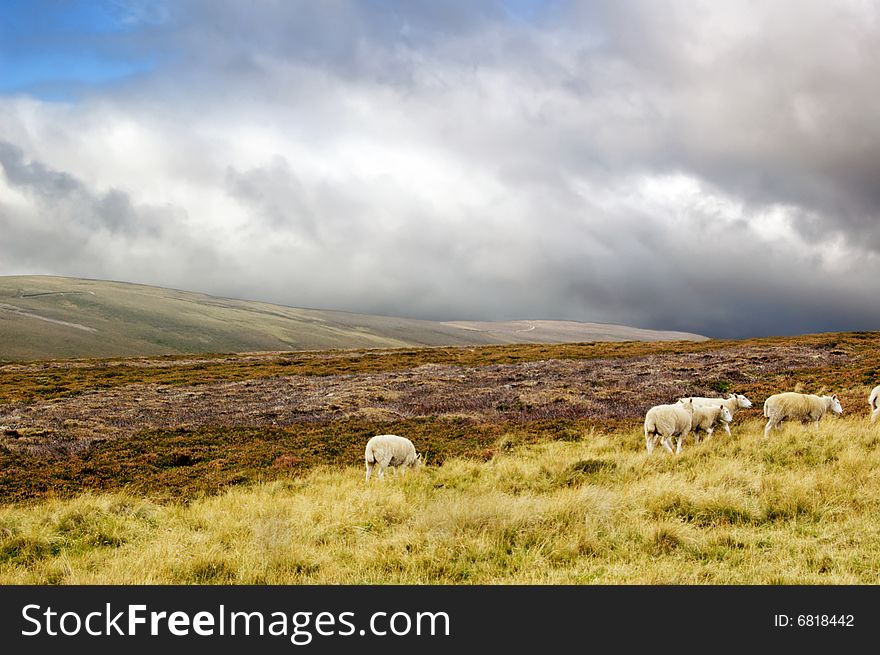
700, 166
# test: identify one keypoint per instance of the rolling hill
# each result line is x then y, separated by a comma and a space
56, 317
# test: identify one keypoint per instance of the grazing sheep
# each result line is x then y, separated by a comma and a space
798, 406
707, 418
734, 402
386, 450
874, 402
663, 422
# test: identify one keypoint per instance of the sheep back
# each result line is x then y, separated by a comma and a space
668, 420
706, 416
792, 405
390, 450
732, 403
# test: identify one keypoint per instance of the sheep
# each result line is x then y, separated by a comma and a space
874, 402
663, 422
734, 402
798, 406
707, 418
386, 450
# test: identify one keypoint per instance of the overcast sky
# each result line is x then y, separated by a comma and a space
703, 166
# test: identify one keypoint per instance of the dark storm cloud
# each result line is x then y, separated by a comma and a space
700, 166
276, 195
34, 176
61, 196
70, 229
779, 110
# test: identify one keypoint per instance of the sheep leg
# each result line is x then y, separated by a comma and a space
382, 473
709, 433
771, 424
875, 414
696, 437
678, 445
665, 443
727, 428
369, 470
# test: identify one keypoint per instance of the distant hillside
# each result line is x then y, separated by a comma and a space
55, 317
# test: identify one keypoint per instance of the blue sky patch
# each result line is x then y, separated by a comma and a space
52, 49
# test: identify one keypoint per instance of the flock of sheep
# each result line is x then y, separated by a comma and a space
663, 423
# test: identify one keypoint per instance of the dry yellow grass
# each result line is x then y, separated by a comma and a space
800, 507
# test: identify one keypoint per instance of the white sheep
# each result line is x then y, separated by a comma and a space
798, 406
734, 402
874, 402
707, 418
665, 422
386, 450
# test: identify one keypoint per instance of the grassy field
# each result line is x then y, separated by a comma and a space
248, 468
800, 507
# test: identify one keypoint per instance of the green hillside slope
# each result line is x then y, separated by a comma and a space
52, 317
